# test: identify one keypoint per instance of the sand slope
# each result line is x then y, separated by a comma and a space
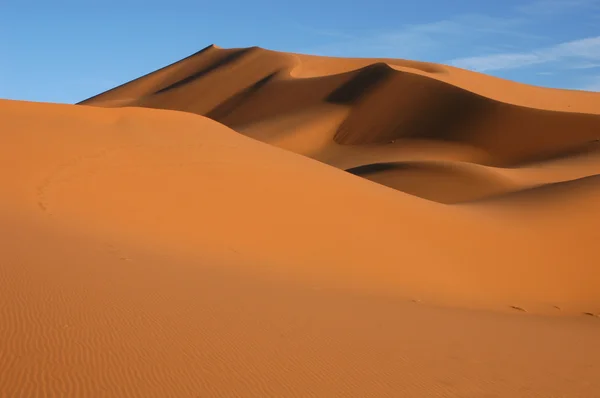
360, 113
157, 253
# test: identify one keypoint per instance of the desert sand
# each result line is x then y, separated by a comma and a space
249, 223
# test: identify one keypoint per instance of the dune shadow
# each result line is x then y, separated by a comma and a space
361, 83
536, 193
227, 59
588, 148
373, 168
228, 106
407, 106
449, 115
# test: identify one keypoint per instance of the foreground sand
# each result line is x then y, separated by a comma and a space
149, 253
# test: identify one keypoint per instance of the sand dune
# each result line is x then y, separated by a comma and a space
338, 110
157, 252
237, 86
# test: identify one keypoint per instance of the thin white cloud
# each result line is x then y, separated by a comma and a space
578, 51
481, 42
325, 32
552, 7
586, 65
497, 61
593, 84
422, 40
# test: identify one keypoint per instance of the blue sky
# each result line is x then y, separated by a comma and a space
66, 51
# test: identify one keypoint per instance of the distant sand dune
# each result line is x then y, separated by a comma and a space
319, 106
387, 100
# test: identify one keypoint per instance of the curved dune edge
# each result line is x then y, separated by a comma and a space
540, 194
149, 253
447, 183
320, 66
452, 182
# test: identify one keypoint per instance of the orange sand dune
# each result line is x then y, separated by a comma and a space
151, 253
368, 115
373, 102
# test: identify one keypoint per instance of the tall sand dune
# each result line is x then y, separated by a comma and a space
150, 253
384, 100
337, 109
285, 225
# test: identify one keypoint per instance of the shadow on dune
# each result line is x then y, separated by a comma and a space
586, 149
222, 62
409, 106
367, 169
383, 104
360, 84
542, 193
442, 182
226, 108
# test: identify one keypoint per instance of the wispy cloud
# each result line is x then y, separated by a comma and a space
323, 32
586, 51
523, 38
586, 65
421, 41
593, 84
552, 7
497, 61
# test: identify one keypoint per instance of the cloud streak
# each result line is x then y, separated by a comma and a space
593, 84
424, 40
553, 7
577, 52
522, 43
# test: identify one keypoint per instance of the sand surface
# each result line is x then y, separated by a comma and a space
293, 226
